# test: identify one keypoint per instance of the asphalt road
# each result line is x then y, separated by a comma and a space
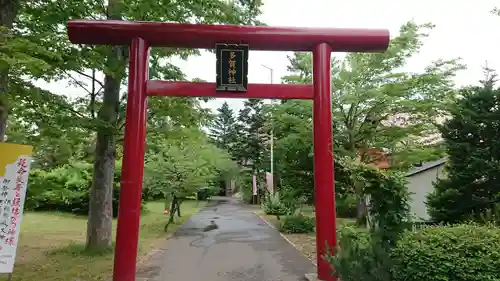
226, 241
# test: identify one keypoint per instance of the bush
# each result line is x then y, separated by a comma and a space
273, 205
346, 206
360, 256
245, 186
206, 193
458, 253
297, 223
66, 189
366, 255
291, 198
62, 189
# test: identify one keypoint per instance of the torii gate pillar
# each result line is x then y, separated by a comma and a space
141, 35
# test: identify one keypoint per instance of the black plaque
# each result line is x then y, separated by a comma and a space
232, 67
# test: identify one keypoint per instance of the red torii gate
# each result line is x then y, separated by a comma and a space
141, 35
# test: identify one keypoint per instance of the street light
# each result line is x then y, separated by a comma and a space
270, 72
272, 131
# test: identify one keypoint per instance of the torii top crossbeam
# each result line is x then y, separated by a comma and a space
205, 36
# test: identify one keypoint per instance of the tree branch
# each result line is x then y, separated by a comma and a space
79, 114
93, 95
90, 77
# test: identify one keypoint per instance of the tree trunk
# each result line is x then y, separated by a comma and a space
358, 189
8, 12
99, 226
360, 204
4, 109
175, 204
175, 207
179, 202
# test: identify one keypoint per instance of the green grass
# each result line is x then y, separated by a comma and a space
307, 209
51, 245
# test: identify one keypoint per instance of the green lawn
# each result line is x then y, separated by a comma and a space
51, 244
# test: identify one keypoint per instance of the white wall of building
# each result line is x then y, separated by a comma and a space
420, 185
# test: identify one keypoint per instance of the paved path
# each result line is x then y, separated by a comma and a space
242, 248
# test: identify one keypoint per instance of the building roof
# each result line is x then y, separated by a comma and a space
379, 158
426, 166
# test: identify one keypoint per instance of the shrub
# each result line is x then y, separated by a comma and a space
297, 223
458, 253
245, 184
291, 198
367, 257
346, 206
62, 189
273, 205
66, 189
360, 256
205, 193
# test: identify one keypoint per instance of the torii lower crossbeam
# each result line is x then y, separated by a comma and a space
142, 35
255, 91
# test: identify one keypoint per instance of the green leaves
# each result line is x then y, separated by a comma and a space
460, 252
471, 139
223, 129
38, 46
297, 223
21, 56
375, 104
246, 136
293, 150
363, 254
273, 205
65, 189
181, 167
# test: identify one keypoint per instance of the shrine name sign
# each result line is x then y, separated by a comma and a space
232, 67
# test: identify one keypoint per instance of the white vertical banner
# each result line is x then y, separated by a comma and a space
233, 185
254, 184
14, 169
270, 182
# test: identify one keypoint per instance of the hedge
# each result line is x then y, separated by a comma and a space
297, 223
459, 253
66, 189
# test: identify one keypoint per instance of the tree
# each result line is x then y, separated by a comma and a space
49, 123
294, 154
470, 188
19, 59
101, 70
223, 129
99, 226
252, 135
293, 146
183, 166
376, 105
8, 12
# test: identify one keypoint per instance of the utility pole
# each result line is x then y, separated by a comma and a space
271, 144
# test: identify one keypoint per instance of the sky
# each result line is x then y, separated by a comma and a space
463, 29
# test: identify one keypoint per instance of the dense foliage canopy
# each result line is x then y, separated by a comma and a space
469, 189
